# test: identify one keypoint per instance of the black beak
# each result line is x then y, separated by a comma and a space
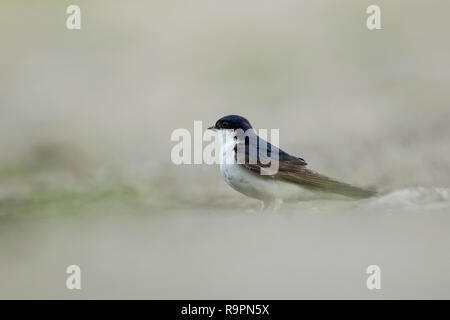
212, 128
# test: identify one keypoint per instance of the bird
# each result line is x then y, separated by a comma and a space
244, 158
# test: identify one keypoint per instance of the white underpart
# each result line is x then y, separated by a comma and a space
252, 184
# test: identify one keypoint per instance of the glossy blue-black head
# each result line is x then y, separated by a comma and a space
232, 122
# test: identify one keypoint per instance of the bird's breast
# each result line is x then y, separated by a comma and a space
250, 183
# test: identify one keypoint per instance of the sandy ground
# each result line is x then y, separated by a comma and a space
309, 250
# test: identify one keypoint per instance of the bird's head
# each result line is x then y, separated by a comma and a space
232, 122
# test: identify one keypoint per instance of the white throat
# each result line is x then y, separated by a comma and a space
226, 136
227, 143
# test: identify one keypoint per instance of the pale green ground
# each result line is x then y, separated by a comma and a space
85, 170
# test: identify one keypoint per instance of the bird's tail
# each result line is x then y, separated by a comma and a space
323, 183
352, 191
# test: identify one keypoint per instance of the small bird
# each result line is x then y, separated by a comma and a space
291, 182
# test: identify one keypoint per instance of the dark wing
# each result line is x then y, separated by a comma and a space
294, 170
260, 151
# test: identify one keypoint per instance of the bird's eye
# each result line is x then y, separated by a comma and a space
225, 124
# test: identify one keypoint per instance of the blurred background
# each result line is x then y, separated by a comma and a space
86, 176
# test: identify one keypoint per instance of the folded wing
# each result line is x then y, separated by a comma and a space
294, 170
